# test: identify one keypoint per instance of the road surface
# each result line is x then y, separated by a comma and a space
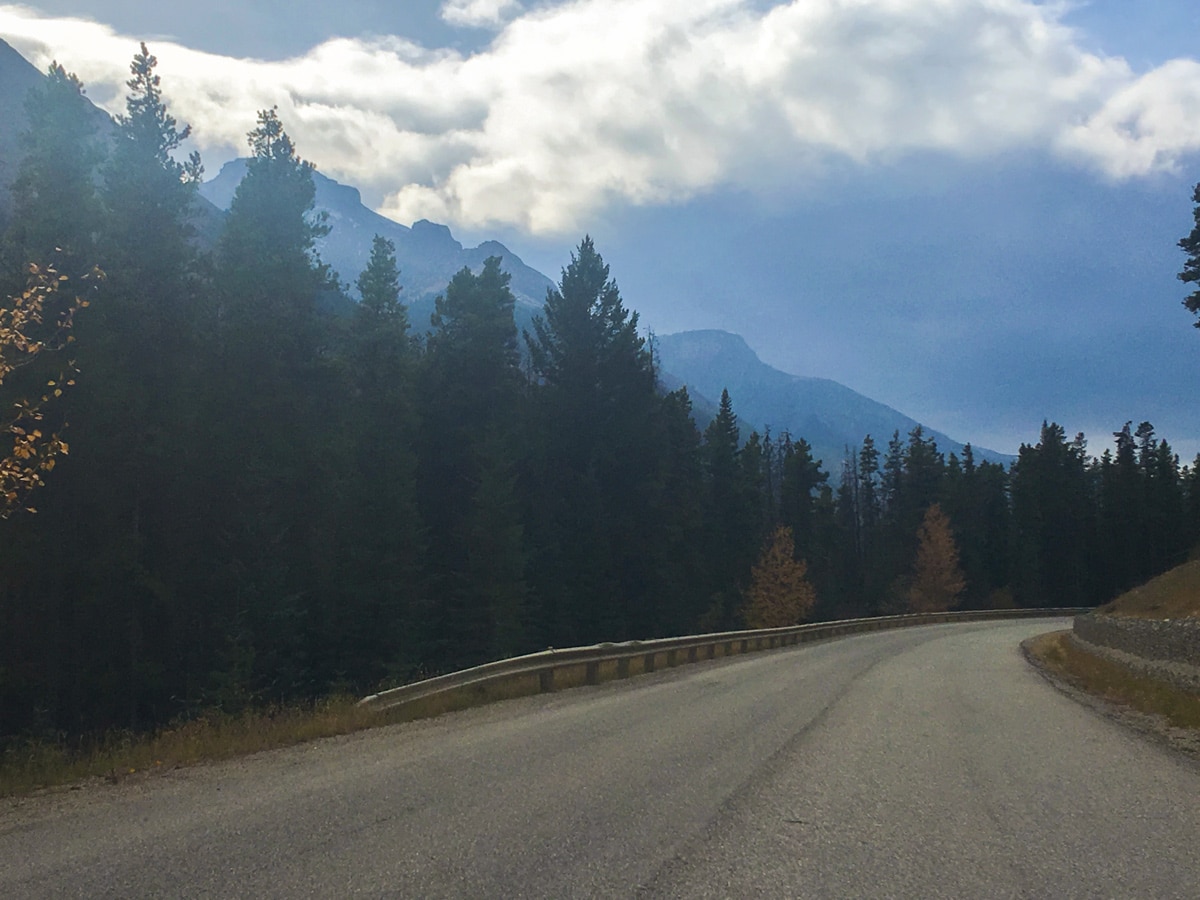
925, 762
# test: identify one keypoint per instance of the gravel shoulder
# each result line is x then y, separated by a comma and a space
1185, 741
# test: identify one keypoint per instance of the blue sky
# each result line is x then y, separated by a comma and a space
967, 209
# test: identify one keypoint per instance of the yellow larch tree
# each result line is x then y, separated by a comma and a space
937, 579
780, 593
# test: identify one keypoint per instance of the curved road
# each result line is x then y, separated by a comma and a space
926, 762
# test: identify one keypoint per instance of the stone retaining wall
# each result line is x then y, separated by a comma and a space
1164, 648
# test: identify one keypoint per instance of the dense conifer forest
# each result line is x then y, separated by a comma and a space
257, 491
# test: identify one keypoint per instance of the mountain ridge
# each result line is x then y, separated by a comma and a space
826, 413
427, 253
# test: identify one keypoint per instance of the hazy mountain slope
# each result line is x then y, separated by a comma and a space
16, 78
830, 416
428, 255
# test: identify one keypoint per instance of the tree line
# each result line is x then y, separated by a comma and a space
272, 493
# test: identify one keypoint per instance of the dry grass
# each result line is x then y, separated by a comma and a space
1115, 682
31, 764
1172, 595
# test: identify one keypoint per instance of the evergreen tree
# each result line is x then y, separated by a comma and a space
270, 273
1191, 269
466, 488
801, 483
55, 212
868, 486
732, 505
274, 471
379, 286
1053, 523
598, 463
379, 592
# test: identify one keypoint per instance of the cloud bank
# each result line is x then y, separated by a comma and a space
479, 13
576, 106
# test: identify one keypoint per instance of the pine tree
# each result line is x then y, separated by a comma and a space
470, 398
379, 283
597, 464
937, 579
270, 275
55, 213
802, 482
148, 194
1053, 523
272, 473
1191, 269
732, 506
779, 592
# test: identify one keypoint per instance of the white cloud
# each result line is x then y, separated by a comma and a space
479, 13
587, 103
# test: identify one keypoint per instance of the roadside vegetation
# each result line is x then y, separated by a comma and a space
35, 763
1172, 595
1114, 682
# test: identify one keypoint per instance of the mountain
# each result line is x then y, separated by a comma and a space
830, 416
16, 78
427, 254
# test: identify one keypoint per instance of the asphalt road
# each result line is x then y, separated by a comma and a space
927, 762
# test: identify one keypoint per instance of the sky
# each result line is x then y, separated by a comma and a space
966, 209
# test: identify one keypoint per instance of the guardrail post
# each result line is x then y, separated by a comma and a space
691, 654
546, 681
623, 667
591, 673
648, 662
670, 658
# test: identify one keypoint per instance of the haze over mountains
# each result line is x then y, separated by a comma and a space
428, 255
829, 415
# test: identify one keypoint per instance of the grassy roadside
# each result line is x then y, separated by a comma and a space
1173, 595
30, 765
1114, 682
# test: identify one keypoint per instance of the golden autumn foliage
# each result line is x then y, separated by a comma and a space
937, 579
37, 321
779, 593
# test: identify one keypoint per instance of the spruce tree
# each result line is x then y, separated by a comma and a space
597, 464
1191, 268
470, 393
55, 214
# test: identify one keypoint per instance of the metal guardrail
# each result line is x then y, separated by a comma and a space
676, 650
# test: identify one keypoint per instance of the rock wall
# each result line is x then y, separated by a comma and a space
1164, 648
